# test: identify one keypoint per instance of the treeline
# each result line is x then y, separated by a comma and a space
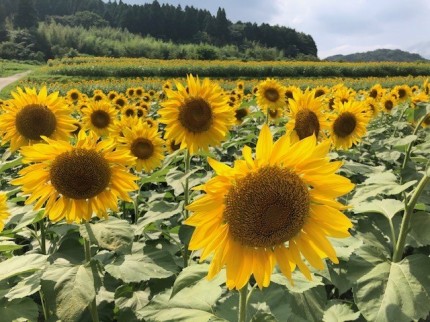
379, 55
165, 22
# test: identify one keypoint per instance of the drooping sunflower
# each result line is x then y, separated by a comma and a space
270, 94
306, 116
143, 142
31, 115
74, 181
4, 212
99, 117
271, 209
349, 123
198, 115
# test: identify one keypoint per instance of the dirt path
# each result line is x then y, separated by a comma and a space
4, 81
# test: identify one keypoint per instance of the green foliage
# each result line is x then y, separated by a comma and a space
378, 55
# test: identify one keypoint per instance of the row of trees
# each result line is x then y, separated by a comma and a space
164, 22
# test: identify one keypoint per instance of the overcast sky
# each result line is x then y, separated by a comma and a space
338, 27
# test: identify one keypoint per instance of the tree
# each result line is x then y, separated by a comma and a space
26, 16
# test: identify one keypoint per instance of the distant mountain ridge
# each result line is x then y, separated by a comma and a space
379, 55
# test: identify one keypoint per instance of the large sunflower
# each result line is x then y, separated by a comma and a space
306, 116
4, 213
198, 115
144, 142
99, 117
270, 94
270, 210
73, 182
31, 115
349, 124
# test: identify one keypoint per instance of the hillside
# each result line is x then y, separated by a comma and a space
378, 55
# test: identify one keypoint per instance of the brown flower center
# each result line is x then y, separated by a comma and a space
271, 94
196, 115
142, 148
100, 119
319, 92
35, 120
240, 113
388, 105
80, 173
267, 207
344, 125
307, 124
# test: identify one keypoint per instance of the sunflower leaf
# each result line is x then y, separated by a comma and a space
338, 312
189, 276
386, 207
386, 291
19, 310
22, 264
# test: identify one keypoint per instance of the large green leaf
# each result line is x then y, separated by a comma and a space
386, 207
139, 267
27, 286
159, 210
8, 245
130, 302
113, 234
189, 276
22, 264
339, 312
300, 283
419, 234
193, 303
384, 183
176, 179
21, 310
68, 289
385, 291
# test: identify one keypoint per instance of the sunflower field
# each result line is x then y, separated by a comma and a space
203, 200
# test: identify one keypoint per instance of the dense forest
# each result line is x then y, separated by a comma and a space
165, 23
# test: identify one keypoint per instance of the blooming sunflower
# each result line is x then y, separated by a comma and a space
348, 124
172, 146
4, 213
196, 116
376, 91
306, 115
401, 92
99, 117
388, 102
270, 210
74, 95
270, 94
31, 115
73, 182
143, 142
240, 114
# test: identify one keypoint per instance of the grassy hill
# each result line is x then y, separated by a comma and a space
379, 55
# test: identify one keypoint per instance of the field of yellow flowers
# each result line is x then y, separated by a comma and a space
203, 200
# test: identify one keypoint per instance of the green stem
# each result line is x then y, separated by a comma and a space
42, 236
409, 148
186, 199
267, 117
400, 118
45, 311
136, 205
242, 303
393, 233
87, 247
404, 228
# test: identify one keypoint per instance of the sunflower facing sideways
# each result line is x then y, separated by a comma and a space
143, 142
31, 115
306, 116
75, 181
349, 123
270, 209
197, 115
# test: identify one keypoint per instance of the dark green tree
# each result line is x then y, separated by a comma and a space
26, 16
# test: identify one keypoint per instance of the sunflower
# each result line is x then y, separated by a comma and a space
139, 91
98, 95
99, 117
112, 95
270, 210
130, 92
419, 97
372, 106
197, 117
402, 93
118, 126
306, 116
275, 115
141, 111
128, 111
320, 91
143, 142
426, 121
240, 114
31, 115
172, 146
4, 213
270, 94
376, 91
120, 101
74, 95
388, 102
348, 124
73, 182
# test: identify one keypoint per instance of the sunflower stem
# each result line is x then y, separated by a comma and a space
407, 215
400, 118
409, 148
42, 236
187, 160
267, 117
242, 303
45, 311
87, 248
